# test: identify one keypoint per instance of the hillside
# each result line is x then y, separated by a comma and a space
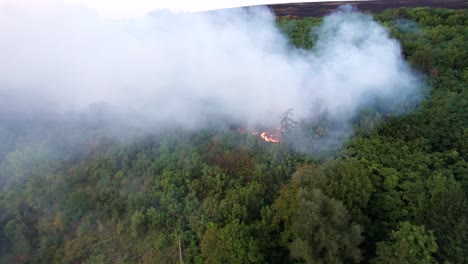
390, 188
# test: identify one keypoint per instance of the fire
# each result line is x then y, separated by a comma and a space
268, 138
265, 135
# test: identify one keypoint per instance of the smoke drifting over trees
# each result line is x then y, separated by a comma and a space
187, 177
188, 68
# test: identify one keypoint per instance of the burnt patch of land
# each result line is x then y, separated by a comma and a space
318, 9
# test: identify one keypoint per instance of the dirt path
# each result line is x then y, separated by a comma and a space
320, 9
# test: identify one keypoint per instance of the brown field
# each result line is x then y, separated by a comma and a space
376, 6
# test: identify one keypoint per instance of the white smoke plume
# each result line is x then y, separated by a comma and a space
186, 68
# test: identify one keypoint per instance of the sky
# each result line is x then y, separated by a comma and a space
139, 8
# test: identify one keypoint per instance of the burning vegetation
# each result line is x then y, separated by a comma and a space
269, 135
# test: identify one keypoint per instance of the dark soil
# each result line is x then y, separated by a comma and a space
319, 9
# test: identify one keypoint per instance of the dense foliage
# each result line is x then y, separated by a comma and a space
396, 192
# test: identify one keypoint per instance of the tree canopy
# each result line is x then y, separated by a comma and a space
395, 192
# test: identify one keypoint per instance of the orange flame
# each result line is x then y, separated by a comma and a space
263, 134
269, 138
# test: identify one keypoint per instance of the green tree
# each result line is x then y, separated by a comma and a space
231, 244
136, 223
349, 182
287, 123
446, 214
77, 204
407, 244
323, 230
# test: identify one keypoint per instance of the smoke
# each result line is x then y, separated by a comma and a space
60, 61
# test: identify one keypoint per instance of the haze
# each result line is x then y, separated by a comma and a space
139, 8
187, 68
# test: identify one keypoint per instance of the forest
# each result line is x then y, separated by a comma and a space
395, 191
